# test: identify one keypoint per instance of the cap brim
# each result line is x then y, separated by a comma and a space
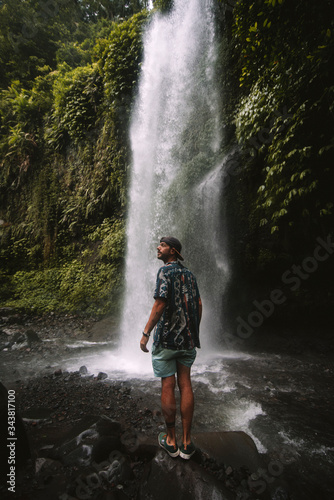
178, 254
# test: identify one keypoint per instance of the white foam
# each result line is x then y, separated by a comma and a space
85, 343
296, 443
240, 417
114, 364
325, 451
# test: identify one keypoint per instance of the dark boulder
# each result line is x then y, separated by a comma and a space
107, 427
180, 480
32, 336
234, 448
103, 448
83, 370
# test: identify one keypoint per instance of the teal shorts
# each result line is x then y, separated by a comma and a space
165, 361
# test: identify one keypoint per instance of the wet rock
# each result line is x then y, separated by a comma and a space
108, 427
229, 470
66, 496
119, 494
78, 450
102, 376
177, 479
50, 485
46, 465
46, 451
103, 448
118, 470
280, 493
156, 413
83, 370
270, 386
64, 449
79, 456
92, 482
15, 319
130, 440
32, 336
5, 311
236, 449
141, 444
19, 338
5, 346
6, 331
102, 330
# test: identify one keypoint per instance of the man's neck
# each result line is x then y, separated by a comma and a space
171, 261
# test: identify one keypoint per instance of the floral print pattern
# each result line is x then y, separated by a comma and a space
178, 327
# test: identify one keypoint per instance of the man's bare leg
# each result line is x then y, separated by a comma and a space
187, 401
168, 406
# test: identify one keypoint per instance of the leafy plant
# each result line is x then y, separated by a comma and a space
284, 101
122, 57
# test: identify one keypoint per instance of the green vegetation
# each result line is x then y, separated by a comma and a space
283, 54
88, 282
68, 73
64, 152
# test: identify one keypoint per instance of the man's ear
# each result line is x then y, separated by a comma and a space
172, 251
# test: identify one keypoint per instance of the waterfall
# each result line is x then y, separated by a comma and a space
177, 169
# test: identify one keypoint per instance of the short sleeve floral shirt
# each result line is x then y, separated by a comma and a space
178, 327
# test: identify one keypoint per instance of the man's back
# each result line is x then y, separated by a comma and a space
178, 327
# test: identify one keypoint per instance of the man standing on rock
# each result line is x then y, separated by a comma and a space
176, 313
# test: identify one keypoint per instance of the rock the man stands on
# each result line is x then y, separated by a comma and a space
176, 313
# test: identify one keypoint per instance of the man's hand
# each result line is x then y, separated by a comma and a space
143, 343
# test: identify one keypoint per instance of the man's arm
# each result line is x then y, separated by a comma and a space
200, 309
156, 313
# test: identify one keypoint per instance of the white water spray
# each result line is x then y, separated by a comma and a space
177, 169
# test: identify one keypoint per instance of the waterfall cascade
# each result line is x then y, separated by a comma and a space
177, 168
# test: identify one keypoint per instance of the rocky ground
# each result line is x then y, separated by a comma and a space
92, 438
89, 437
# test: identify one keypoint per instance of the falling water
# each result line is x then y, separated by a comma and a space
177, 167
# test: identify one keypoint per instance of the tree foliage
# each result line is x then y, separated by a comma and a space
122, 57
283, 120
163, 5
35, 33
64, 154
